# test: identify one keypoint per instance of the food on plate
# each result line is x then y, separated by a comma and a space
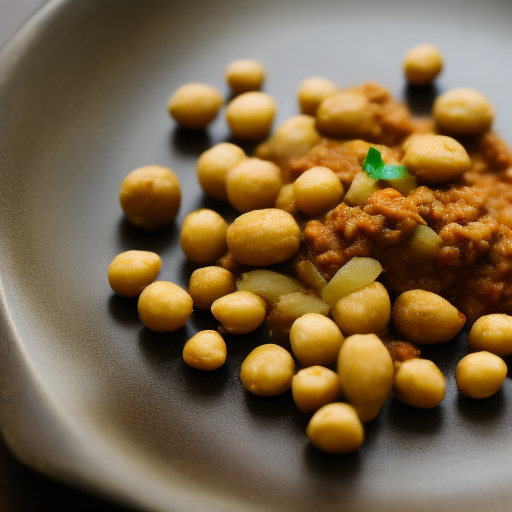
207, 284
205, 351
492, 333
203, 236
253, 184
463, 111
480, 375
312, 91
164, 306
263, 237
336, 428
150, 197
268, 370
315, 340
131, 271
366, 373
365, 311
245, 75
422, 64
424, 317
315, 386
250, 115
213, 166
419, 383
194, 106
240, 312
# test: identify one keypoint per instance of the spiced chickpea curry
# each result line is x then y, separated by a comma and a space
396, 231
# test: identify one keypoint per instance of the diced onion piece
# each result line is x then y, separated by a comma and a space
268, 285
289, 308
424, 244
310, 275
404, 185
355, 274
361, 189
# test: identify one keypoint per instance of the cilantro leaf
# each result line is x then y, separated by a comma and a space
375, 167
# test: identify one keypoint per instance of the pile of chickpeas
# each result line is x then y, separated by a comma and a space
345, 371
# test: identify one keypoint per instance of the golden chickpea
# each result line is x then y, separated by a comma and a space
317, 191
436, 158
250, 115
366, 373
480, 375
422, 64
463, 111
295, 137
315, 387
336, 428
263, 237
419, 383
245, 75
424, 317
194, 105
150, 197
315, 340
286, 199
345, 115
253, 184
164, 306
365, 311
205, 351
203, 236
213, 166
312, 92
492, 333
208, 284
268, 370
130, 272
240, 312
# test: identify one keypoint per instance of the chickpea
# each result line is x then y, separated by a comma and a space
194, 106
346, 115
268, 370
492, 333
203, 236
315, 340
336, 428
205, 351
286, 199
312, 92
419, 383
422, 64
245, 75
315, 387
436, 158
480, 375
253, 184
317, 191
295, 137
463, 111
213, 166
150, 197
365, 311
263, 237
366, 373
250, 115
164, 306
130, 272
240, 312
208, 284
424, 317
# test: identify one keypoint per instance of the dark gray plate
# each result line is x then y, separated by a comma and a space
91, 397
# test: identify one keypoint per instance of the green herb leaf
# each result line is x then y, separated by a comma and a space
375, 167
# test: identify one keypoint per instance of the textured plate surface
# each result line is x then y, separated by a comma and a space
91, 397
